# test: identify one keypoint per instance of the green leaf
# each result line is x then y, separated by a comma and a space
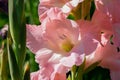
91, 67
69, 77
17, 29
4, 71
14, 69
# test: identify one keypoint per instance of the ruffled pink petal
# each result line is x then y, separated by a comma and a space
65, 5
47, 4
44, 5
42, 56
70, 5
72, 59
59, 72
52, 69
34, 75
45, 72
34, 37
53, 13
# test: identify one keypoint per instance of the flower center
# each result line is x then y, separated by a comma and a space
66, 45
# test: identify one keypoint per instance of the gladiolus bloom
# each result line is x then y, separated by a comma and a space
58, 45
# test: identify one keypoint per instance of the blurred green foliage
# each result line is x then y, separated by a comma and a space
97, 73
3, 19
32, 11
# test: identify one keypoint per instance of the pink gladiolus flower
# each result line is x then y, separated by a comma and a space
58, 44
111, 9
65, 5
52, 42
107, 19
109, 57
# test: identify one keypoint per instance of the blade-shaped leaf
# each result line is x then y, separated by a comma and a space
14, 69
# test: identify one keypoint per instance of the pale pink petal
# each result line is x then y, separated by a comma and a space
52, 13
65, 5
59, 72
52, 69
90, 36
107, 7
42, 56
70, 5
102, 21
110, 59
34, 37
116, 36
34, 75
89, 28
72, 59
47, 4
45, 72
59, 76
115, 75
55, 58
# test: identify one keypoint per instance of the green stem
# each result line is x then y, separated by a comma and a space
73, 76
73, 72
